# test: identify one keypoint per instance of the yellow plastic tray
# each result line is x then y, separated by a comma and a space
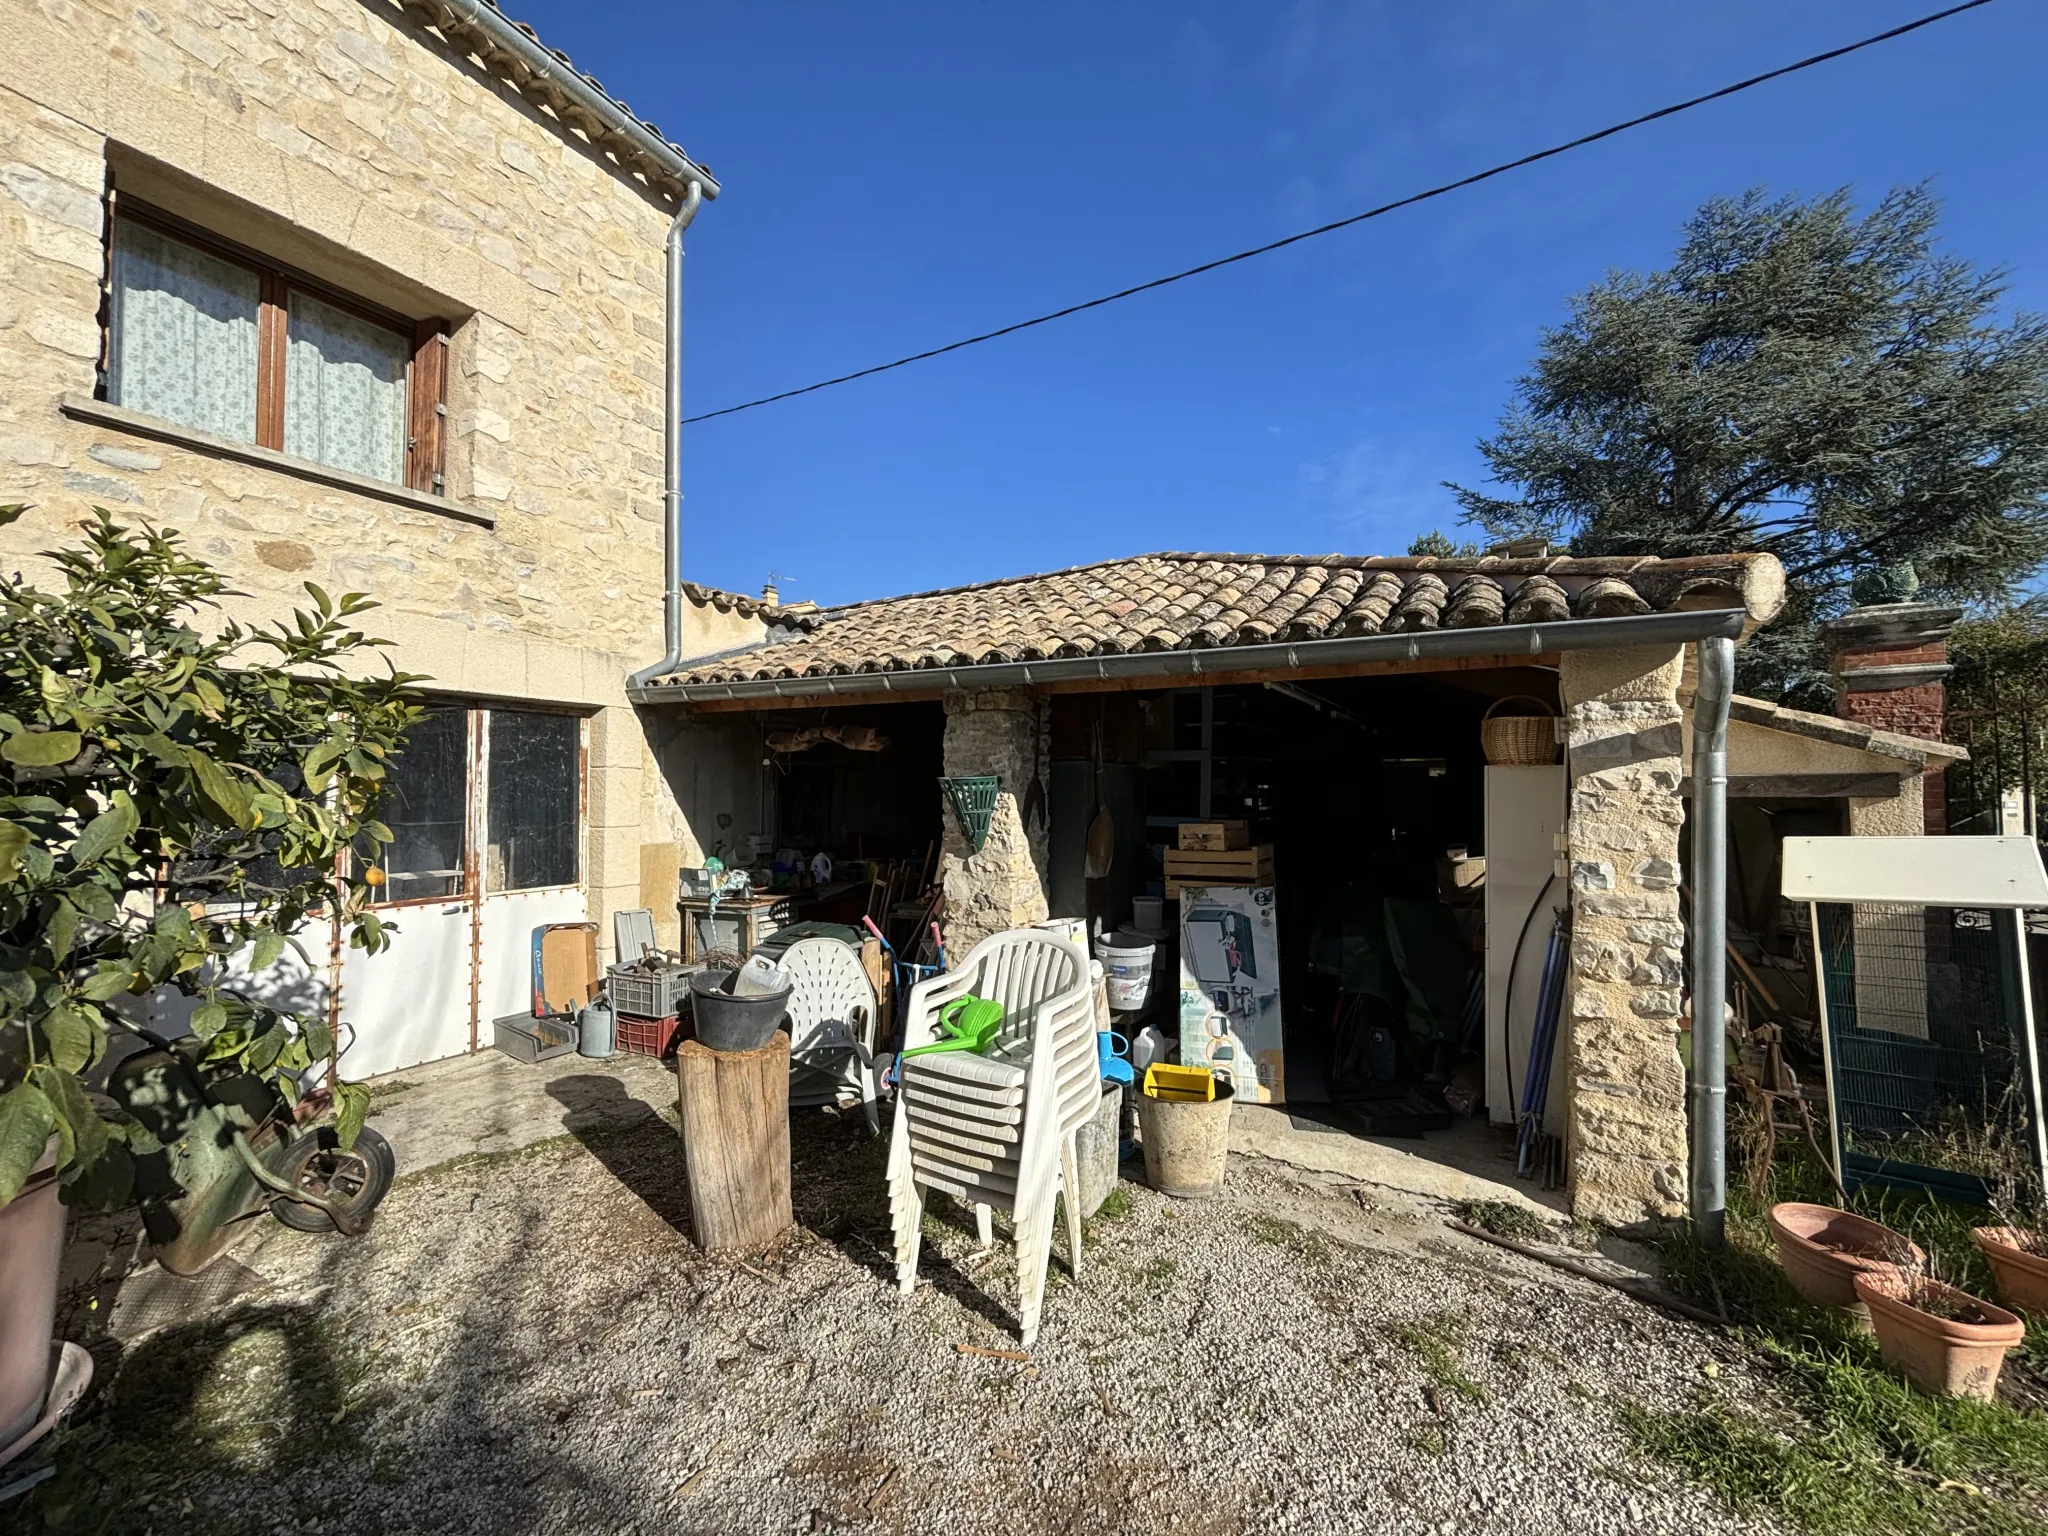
1179, 1085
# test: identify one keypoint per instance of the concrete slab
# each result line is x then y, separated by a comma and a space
1463, 1163
490, 1103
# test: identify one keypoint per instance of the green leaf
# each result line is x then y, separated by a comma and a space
71, 1037
13, 844
351, 1109
75, 1113
211, 700
208, 1019
26, 1119
266, 1048
107, 1184
319, 1039
102, 834
41, 749
111, 979
221, 788
264, 952
60, 928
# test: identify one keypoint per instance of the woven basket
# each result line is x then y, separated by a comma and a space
1518, 740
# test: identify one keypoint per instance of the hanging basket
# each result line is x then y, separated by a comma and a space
1519, 740
974, 801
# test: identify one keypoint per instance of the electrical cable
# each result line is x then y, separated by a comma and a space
1358, 218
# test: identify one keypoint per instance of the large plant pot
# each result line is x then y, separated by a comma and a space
728, 1023
1187, 1145
2022, 1276
31, 1243
1953, 1356
1824, 1250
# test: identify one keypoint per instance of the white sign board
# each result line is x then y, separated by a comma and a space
1916, 871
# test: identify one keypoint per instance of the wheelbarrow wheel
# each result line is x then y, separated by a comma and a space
358, 1178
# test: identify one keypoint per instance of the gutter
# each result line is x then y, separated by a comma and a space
1195, 666
672, 454
579, 94
1709, 938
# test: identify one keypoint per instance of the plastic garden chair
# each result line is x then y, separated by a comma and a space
997, 1129
832, 1027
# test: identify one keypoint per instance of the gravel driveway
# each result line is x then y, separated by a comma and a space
530, 1342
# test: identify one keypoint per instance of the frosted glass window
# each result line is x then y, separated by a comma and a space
184, 334
344, 390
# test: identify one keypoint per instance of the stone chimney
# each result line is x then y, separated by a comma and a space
1890, 664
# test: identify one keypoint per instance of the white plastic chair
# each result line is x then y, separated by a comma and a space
998, 1130
833, 1020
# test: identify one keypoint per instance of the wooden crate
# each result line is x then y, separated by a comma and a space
1215, 836
1235, 866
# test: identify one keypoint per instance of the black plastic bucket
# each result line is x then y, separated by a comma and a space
728, 1023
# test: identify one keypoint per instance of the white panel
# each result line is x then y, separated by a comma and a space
505, 981
1525, 814
410, 1002
291, 984
1916, 871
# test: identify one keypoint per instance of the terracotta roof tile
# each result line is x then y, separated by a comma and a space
1190, 601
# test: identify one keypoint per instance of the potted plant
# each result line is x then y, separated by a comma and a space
176, 791
1824, 1249
2017, 1248
1939, 1337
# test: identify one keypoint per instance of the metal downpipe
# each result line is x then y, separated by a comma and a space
672, 454
1709, 1180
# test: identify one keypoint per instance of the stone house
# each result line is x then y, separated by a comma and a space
1335, 701
373, 295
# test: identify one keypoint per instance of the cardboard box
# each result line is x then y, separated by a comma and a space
1215, 836
1230, 989
564, 968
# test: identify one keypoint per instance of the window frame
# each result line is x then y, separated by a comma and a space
426, 369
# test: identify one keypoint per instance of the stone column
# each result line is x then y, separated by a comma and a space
1890, 664
992, 731
1627, 1111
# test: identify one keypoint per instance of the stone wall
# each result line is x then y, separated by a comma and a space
1003, 886
1627, 1110
339, 138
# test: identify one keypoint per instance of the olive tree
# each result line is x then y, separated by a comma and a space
177, 790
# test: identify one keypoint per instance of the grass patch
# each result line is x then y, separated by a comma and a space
1434, 1340
1304, 1242
1159, 1274
1504, 1218
472, 1162
1858, 1451
1116, 1205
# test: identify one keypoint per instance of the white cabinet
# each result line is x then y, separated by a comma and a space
1525, 816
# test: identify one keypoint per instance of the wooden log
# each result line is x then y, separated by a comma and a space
735, 1109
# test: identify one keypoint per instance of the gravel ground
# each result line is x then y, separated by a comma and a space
532, 1343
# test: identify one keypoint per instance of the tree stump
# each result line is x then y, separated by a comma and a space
735, 1109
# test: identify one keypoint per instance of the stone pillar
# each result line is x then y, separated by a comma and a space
992, 731
1890, 664
1627, 1111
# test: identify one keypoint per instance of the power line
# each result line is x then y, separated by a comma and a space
1359, 218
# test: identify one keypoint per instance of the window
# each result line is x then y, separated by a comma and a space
535, 790
427, 810
524, 800
209, 336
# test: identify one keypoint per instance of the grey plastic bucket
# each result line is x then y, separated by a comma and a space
728, 1023
1187, 1146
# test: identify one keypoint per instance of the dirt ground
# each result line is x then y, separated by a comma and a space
529, 1341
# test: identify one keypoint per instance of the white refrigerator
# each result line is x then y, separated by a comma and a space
1525, 820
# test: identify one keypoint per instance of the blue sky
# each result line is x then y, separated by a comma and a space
899, 175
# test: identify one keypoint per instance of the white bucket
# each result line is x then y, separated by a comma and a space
1127, 968
1149, 913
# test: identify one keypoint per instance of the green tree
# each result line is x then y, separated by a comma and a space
175, 790
1828, 388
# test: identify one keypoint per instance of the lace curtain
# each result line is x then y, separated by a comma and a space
344, 390
184, 330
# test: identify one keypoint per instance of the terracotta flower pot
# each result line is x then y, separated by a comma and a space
2022, 1276
1824, 1250
31, 1246
1954, 1356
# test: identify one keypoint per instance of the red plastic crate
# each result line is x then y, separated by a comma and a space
645, 1037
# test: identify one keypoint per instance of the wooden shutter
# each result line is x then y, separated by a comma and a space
427, 408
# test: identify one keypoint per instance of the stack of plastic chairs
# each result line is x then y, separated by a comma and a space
997, 1130
833, 1021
